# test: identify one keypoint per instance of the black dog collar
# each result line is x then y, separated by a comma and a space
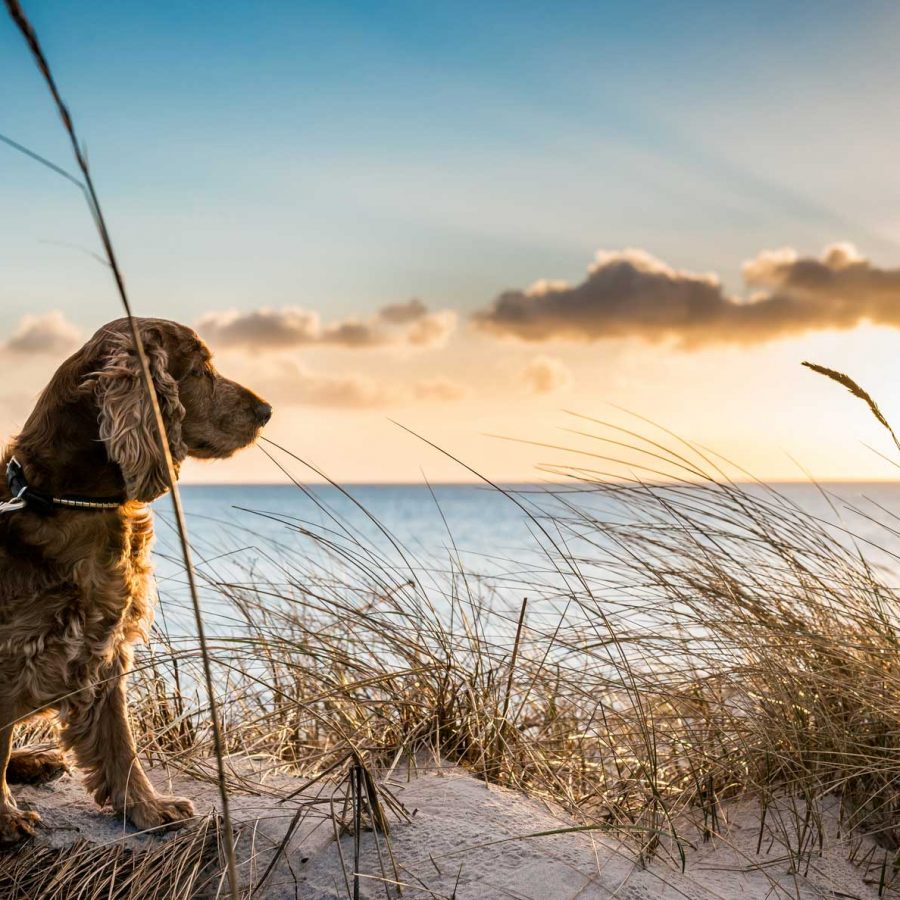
23, 495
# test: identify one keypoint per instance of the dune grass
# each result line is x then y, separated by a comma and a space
185, 866
682, 645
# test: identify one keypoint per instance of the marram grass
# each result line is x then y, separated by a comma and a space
717, 642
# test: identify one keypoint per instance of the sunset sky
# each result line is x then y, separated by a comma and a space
471, 218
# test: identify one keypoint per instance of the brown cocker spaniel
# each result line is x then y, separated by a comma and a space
74, 580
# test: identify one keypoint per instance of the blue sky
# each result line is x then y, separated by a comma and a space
346, 147
343, 156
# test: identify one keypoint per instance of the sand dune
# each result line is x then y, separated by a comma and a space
467, 840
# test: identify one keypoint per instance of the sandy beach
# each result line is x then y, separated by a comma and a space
467, 840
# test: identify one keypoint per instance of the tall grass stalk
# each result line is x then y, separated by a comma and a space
18, 16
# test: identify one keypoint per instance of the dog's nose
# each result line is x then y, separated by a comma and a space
263, 413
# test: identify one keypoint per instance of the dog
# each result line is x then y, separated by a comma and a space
75, 536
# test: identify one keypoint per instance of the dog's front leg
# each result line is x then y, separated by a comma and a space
15, 824
96, 729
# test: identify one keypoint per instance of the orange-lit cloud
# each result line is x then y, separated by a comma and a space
544, 375
287, 383
298, 385
441, 390
48, 333
409, 324
632, 294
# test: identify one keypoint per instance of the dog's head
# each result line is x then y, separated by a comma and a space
94, 424
206, 415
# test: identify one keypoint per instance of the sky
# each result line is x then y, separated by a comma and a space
469, 221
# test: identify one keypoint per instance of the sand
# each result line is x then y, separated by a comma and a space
468, 840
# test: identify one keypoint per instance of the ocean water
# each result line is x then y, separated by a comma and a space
279, 534
255, 534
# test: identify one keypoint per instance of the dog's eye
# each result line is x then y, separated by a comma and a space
198, 371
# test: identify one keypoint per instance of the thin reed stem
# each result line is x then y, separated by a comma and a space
18, 16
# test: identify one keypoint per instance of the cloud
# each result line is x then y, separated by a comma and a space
288, 383
48, 333
544, 375
356, 391
632, 294
401, 313
264, 328
409, 324
440, 390
432, 330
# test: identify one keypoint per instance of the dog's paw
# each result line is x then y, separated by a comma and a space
161, 812
16, 825
37, 766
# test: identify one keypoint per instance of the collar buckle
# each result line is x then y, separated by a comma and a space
41, 503
22, 493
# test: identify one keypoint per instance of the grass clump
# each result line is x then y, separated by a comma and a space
683, 644
185, 867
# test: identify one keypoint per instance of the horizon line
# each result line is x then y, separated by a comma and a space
516, 483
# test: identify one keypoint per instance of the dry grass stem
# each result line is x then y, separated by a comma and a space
18, 16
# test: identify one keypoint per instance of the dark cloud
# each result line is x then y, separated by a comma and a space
409, 324
632, 294
286, 327
401, 313
352, 334
48, 333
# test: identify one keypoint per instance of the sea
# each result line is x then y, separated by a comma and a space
251, 534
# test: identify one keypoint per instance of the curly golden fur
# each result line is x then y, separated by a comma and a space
74, 584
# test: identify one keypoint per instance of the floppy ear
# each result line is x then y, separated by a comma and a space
127, 424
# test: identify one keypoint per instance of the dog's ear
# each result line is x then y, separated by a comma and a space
127, 423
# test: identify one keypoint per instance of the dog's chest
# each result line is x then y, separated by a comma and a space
82, 615
115, 597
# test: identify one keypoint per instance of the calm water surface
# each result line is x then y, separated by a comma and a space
242, 533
